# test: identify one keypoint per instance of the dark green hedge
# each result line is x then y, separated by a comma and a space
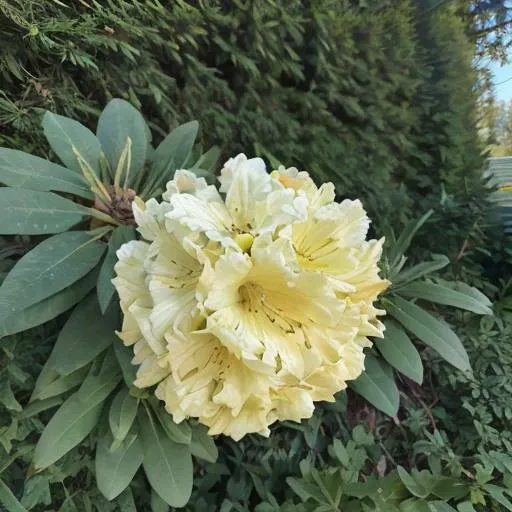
376, 97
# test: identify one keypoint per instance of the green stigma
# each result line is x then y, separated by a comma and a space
244, 241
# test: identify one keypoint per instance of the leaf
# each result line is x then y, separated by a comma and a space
21, 170
36, 491
84, 336
173, 151
122, 413
497, 493
32, 212
64, 134
124, 357
440, 506
38, 406
202, 445
421, 269
404, 240
105, 288
180, 433
168, 465
430, 330
7, 398
443, 295
51, 266
8, 499
116, 469
46, 388
126, 502
399, 351
157, 503
48, 308
414, 487
208, 161
117, 122
377, 385
78, 415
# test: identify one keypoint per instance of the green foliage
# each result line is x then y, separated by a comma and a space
340, 89
377, 97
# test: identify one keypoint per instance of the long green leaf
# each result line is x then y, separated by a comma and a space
421, 269
443, 295
53, 265
404, 240
19, 169
202, 444
67, 136
124, 356
115, 469
85, 335
48, 308
50, 384
77, 416
33, 212
118, 122
168, 465
430, 330
377, 385
173, 151
8, 499
180, 433
399, 351
105, 288
122, 413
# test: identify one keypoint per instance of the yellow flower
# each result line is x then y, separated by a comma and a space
247, 304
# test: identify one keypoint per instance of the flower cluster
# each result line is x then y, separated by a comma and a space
247, 304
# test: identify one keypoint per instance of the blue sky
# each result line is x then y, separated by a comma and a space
503, 91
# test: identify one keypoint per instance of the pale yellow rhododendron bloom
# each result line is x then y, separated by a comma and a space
248, 303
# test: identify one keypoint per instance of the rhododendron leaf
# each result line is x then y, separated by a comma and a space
19, 169
399, 351
174, 150
78, 415
421, 269
66, 136
50, 384
377, 385
180, 433
440, 294
85, 335
50, 307
122, 413
51, 266
33, 212
118, 122
124, 360
202, 444
207, 161
105, 288
404, 240
168, 465
430, 330
115, 469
